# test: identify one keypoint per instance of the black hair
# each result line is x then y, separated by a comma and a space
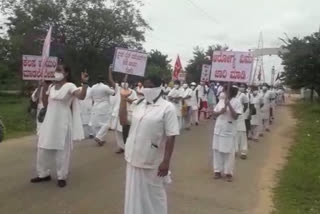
177, 82
101, 78
67, 70
155, 79
233, 92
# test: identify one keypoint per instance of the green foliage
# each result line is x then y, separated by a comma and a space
13, 114
159, 64
302, 62
200, 57
85, 32
299, 186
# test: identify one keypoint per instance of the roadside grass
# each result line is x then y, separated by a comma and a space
14, 115
298, 190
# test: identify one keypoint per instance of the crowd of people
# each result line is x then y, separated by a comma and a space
145, 118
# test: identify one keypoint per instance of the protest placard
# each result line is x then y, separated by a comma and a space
130, 62
231, 66
205, 74
31, 67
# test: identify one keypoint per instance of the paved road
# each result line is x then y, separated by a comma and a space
97, 178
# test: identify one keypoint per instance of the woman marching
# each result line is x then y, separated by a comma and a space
61, 125
227, 112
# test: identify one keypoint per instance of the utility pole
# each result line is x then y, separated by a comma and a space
258, 75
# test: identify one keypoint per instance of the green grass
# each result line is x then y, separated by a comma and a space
14, 115
298, 191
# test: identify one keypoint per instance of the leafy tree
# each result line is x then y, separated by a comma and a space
302, 62
200, 57
85, 32
158, 63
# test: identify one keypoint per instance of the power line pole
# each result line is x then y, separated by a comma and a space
258, 75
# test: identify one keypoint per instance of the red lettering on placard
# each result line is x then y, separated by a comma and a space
238, 75
220, 74
223, 58
245, 59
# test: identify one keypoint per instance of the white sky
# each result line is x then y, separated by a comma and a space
180, 25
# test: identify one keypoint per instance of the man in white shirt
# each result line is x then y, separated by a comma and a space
175, 96
265, 111
187, 93
165, 91
194, 100
241, 137
101, 110
148, 149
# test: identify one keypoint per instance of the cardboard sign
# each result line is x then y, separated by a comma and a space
130, 62
31, 67
232, 66
205, 74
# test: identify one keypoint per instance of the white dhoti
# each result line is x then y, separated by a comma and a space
145, 192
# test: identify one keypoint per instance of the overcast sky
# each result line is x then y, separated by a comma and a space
180, 25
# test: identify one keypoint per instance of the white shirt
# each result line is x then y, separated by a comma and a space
243, 99
257, 101
187, 92
176, 93
203, 92
86, 108
102, 109
139, 90
150, 127
225, 124
194, 100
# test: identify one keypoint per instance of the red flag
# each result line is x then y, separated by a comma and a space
177, 69
46, 51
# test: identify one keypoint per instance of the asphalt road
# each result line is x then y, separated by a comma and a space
97, 179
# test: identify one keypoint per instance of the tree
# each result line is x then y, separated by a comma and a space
302, 62
85, 32
159, 64
200, 57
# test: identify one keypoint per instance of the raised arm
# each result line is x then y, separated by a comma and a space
111, 81
81, 93
123, 112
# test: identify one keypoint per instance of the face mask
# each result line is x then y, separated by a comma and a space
193, 87
242, 89
255, 92
58, 76
124, 85
150, 94
264, 88
176, 86
166, 85
185, 86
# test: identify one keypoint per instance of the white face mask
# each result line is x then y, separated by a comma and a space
264, 88
185, 86
255, 92
176, 86
193, 87
150, 94
124, 85
58, 76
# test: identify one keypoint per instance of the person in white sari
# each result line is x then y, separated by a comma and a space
61, 126
148, 149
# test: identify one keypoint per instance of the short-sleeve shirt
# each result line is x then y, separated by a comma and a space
226, 125
151, 125
187, 92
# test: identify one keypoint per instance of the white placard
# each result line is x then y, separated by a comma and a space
231, 66
130, 62
31, 68
205, 74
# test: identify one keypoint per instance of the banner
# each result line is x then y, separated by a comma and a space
31, 67
231, 66
177, 69
46, 50
205, 73
130, 62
